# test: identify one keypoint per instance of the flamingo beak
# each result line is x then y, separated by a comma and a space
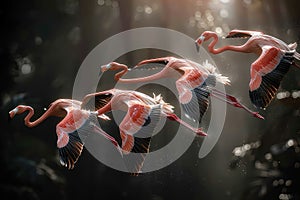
13, 112
104, 68
198, 42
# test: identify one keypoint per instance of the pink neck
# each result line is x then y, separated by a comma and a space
221, 49
104, 109
30, 114
121, 73
164, 73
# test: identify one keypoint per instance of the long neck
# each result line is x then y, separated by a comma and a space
121, 73
104, 109
153, 77
225, 48
36, 122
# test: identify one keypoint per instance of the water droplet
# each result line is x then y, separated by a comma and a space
101, 2
197, 15
282, 95
296, 94
38, 40
148, 10
247, 147
275, 183
290, 143
224, 1
275, 164
284, 196
224, 13
219, 30
26, 68
268, 156
248, 2
288, 183
281, 182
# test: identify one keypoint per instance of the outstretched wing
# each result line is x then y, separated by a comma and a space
163, 61
242, 33
136, 131
70, 139
96, 101
197, 107
266, 74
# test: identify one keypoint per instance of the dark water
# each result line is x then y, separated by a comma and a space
43, 44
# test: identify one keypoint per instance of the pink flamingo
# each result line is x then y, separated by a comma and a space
274, 61
137, 127
191, 78
76, 121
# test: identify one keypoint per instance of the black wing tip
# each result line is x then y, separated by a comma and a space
260, 99
197, 47
238, 35
262, 96
202, 96
98, 101
70, 153
134, 161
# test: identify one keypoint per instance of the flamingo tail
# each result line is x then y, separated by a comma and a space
213, 70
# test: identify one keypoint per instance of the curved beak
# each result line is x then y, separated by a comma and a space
13, 112
104, 68
199, 42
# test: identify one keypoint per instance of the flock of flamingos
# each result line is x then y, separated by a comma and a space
195, 83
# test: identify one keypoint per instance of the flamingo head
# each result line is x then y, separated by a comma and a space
18, 110
105, 68
206, 35
112, 66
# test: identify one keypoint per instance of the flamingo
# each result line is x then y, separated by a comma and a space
142, 115
75, 126
274, 60
191, 78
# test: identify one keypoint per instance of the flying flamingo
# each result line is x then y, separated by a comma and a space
75, 126
192, 79
142, 115
274, 61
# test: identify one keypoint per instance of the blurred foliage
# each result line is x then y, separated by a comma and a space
273, 162
43, 44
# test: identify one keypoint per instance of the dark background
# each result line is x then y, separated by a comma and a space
43, 43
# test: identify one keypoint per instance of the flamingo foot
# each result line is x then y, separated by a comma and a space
231, 100
257, 115
200, 132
